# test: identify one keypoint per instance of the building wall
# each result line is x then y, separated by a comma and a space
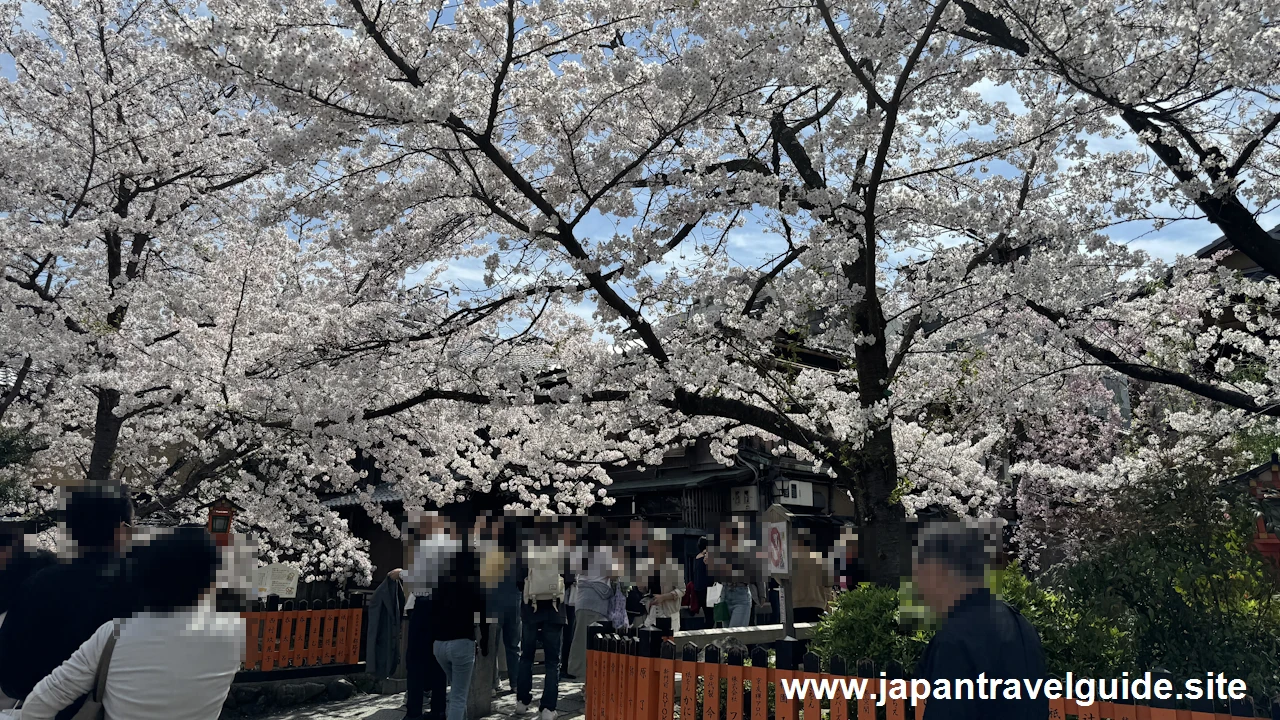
385, 552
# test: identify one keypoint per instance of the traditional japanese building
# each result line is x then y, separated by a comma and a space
1263, 482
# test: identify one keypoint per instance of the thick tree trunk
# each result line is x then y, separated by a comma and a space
884, 519
884, 523
106, 438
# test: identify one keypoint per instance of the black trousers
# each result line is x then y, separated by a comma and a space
566, 641
423, 671
805, 615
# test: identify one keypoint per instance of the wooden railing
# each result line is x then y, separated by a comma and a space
642, 676
299, 636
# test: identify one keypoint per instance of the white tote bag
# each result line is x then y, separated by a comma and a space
713, 595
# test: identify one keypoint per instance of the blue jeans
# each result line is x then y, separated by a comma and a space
738, 598
543, 624
508, 617
457, 658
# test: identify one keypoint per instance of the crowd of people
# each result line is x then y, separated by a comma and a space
128, 627
544, 581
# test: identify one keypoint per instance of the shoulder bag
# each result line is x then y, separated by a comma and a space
92, 708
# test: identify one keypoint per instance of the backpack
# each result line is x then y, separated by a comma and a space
544, 581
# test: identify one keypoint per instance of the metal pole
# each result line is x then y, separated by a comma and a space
784, 599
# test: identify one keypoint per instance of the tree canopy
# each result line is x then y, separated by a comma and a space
516, 244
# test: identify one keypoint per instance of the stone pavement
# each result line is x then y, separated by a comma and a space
391, 707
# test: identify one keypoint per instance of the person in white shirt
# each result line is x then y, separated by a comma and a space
175, 659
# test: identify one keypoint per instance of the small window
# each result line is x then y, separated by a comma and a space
221, 524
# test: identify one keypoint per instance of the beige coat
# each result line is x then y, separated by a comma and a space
810, 581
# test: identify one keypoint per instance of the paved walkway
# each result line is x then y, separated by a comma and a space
391, 707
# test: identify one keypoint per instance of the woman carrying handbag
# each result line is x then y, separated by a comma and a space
174, 660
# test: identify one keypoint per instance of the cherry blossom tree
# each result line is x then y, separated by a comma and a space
938, 185
518, 129
137, 276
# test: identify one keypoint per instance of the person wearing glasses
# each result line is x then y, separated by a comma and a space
60, 607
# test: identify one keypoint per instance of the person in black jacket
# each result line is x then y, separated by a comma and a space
457, 606
979, 634
428, 544
17, 563
702, 582
60, 607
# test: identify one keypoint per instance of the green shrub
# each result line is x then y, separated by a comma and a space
1073, 639
864, 622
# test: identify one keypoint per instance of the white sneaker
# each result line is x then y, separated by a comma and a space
548, 714
521, 708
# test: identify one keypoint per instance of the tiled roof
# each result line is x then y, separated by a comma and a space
526, 357
382, 493
386, 492
1222, 243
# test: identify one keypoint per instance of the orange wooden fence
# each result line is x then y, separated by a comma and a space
297, 636
640, 676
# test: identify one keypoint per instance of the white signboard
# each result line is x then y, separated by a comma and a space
744, 499
795, 492
277, 579
775, 541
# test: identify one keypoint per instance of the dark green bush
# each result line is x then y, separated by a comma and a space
864, 623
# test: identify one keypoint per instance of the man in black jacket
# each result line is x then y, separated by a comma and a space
60, 607
979, 636
18, 563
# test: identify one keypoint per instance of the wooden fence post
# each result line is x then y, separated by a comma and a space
595, 678
710, 672
334, 646
759, 676
812, 704
1243, 708
1163, 709
867, 705
253, 641
667, 680
355, 628
786, 662
840, 703
613, 685
649, 645
631, 670
271, 642
894, 709
734, 698
1201, 709
689, 682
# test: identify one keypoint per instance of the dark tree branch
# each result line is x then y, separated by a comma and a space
1150, 373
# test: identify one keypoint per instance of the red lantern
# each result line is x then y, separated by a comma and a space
222, 513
